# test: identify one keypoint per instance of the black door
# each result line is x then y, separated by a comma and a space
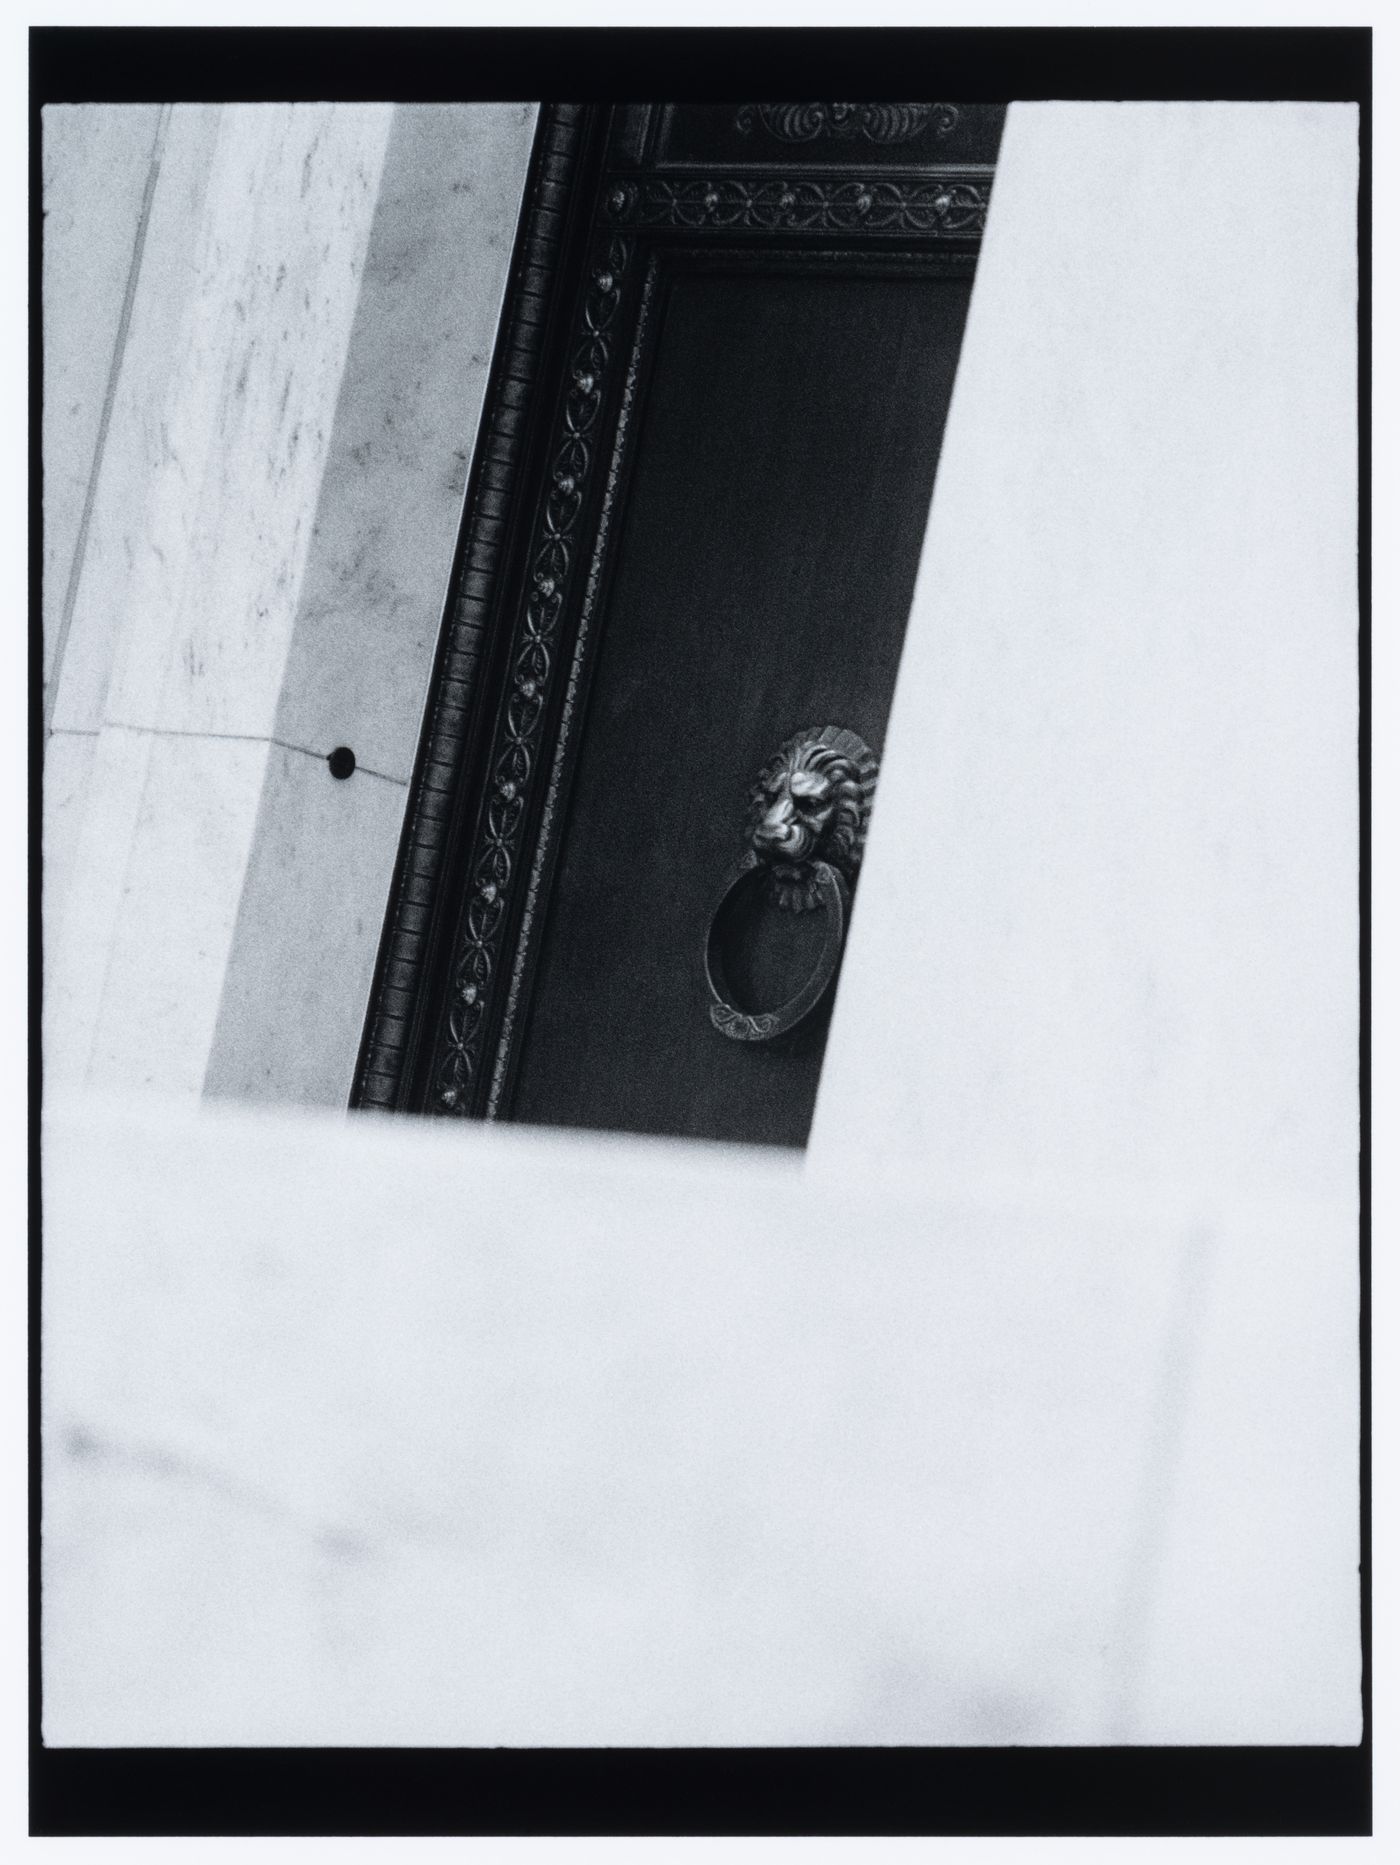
688, 556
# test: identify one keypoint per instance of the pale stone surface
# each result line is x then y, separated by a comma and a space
105, 162
110, 587
1253, 1571
97, 161
92, 834
1105, 946
372, 600
375, 1431
1107, 925
415, 376
254, 379
138, 965
240, 326
384, 1432
68, 758
268, 555
302, 954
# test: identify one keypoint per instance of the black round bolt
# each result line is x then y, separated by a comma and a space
341, 761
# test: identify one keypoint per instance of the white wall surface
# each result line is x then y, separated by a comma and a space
379, 1432
1107, 926
113, 287
97, 178
1105, 949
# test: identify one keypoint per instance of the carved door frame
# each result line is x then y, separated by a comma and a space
613, 196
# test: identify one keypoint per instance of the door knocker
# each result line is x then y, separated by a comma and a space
808, 814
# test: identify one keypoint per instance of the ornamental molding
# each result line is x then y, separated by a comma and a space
555, 549
875, 123
947, 205
383, 1076
572, 689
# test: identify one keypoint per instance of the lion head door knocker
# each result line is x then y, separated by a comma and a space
808, 814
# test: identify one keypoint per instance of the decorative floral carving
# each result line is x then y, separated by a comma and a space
881, 123
382, 1079
571, 690
554, 549
738, 1024
948, 204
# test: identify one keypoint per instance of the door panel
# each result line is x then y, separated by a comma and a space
783, 471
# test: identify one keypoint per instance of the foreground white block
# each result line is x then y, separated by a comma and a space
367, 1433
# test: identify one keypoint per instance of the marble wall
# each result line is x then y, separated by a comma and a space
270, 534
371, 602
1105, 950
390, 1432
99, 172
99, 169
1119, 798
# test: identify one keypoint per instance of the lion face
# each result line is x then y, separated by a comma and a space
795, 808
810, 804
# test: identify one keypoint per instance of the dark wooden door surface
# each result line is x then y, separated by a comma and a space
784, 464
692, 529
